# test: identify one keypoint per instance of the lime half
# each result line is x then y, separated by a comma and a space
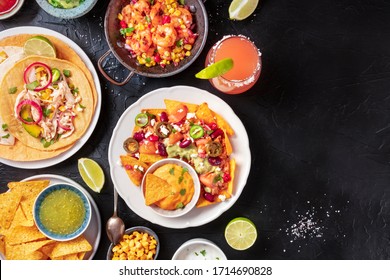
91, 173
240, 233
39, 45
216, 69
241, 9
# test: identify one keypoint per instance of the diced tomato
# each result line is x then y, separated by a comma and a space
179, 113
175, 137
147, 147
207, 179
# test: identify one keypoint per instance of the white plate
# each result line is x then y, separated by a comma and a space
132, 194
93, 232
78, 144
199, 249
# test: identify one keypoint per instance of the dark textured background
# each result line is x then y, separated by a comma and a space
318, 123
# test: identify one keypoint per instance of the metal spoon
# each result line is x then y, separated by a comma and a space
115, 227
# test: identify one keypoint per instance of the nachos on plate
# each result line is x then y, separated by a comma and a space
190, 132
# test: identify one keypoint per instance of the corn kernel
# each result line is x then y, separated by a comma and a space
177, 13
120, 17
171, 10
188, 53
188, 47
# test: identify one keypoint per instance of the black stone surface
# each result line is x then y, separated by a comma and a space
318, 123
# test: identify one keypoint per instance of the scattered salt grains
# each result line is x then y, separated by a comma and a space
307, 226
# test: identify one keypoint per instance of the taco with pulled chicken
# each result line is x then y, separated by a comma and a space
47, 103
16, 150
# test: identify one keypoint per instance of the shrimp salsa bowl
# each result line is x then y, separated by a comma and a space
188, 132
156, 38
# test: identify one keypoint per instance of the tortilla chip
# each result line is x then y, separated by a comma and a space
9, 203
20, 219
81, 255
228, 145
135, 175
26, 251
155, 112
2, 245
204, 113
71, 257
224, 124
156, 189
20, 234
77, 245
150, 158
29, 191
172, 105
47, 249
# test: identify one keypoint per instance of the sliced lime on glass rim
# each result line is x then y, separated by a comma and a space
216, 69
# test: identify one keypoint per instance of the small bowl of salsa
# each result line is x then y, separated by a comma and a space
9, 7
62, 212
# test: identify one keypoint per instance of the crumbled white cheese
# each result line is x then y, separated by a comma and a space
176, 127
222, 197
152, 122
147, 134
180, 110
164, 130
218, 169
190, 116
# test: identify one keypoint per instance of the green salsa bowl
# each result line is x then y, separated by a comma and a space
62, 212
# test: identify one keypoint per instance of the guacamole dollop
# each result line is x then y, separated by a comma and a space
65, 4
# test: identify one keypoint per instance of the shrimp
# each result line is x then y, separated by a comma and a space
156, 14
145, 40
165, 36
185, 18
187, 35
132, 16
142, 7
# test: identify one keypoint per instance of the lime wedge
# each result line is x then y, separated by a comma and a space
216, 69
241, 9
39, 45
240, 233
91, 173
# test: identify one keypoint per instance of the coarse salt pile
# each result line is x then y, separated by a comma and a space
306, 227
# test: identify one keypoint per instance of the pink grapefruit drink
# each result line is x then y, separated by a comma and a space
246, 64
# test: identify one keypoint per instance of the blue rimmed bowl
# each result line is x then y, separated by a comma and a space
85, 206
76, 12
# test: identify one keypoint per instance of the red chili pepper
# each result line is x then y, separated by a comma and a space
123, 24
166, 19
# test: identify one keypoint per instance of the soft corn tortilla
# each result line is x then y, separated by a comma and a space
14, 78
20, 152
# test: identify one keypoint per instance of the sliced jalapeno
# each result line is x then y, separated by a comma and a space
142, 119
55, 74
214, 149
163, 129
131, 145
196, 131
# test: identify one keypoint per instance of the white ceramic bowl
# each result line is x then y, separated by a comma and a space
140, 229
56, 236
199, 249
12, 12
76, 12
181, 211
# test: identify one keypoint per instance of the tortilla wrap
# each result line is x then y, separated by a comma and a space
14, 78
20, 152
